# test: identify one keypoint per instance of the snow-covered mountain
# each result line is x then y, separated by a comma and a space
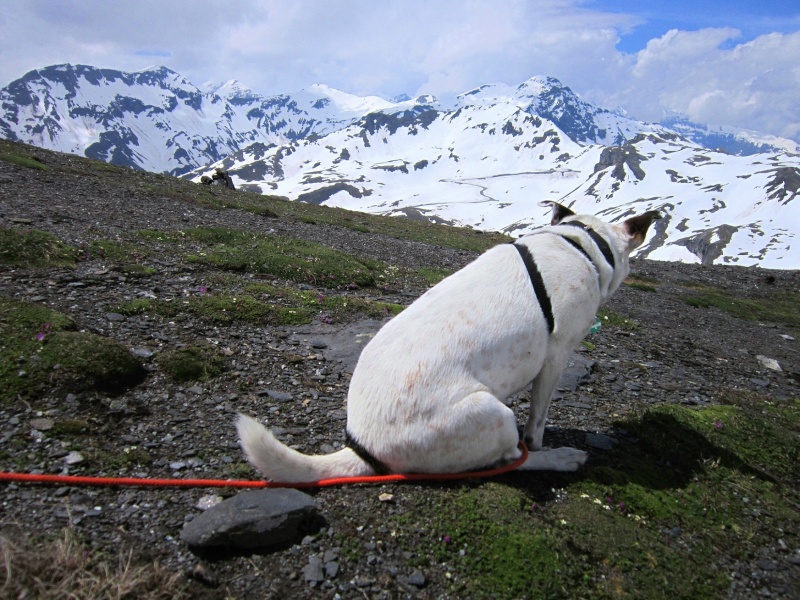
488, 160
728, 139
156, 120
484, 161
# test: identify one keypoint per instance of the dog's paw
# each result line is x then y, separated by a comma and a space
557, 459
568, 459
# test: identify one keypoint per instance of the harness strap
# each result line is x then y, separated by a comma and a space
579, 248
538, 285
378, 466
601, 244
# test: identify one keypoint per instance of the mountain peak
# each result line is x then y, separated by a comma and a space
349, 103
233, 88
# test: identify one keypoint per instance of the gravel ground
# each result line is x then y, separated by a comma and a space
298, 377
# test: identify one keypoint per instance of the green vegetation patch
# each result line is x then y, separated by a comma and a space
432, 275
427, 232
334, 306
609, 317
193, 363
659, 516
221, 309
39, 351
262, 303
116, 461
126, 256
643, 284
21, 160
34, 248
288, 258
500, 548
775, 307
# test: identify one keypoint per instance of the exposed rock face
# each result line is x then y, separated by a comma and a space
619, 157
785, 183
709, 245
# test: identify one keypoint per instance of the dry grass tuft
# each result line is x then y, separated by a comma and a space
65, 568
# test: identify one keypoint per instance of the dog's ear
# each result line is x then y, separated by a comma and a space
560, 212
637, 227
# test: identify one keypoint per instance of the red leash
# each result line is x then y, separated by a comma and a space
74, 480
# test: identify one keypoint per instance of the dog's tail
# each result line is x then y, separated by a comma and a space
277, 462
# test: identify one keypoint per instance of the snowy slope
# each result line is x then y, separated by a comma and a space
485, 161
158, 121
154, 119
488, 164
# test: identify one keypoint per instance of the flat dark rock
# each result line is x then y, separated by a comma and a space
250, 520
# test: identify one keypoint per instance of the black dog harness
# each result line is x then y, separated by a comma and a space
379, 467
538, 285
536, 277
601, 243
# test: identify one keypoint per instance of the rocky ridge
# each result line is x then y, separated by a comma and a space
295, 376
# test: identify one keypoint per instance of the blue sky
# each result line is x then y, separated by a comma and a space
751, 17
731, 62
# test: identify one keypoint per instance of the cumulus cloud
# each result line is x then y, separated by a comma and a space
712, 75
702, 74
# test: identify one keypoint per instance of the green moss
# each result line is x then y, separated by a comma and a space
774, 306
512, 556
20, 160
88, 361
640, 284
117, 252
625, 557
287, 258
432, 275
218, 235
649, 519
34, 248
129, 457
340, 306
137, 306
154, 235
136, 270
238, 470
609, 317
281, 257
225, 309
193, 363
40, 352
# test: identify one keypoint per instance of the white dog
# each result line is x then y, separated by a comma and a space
427, 393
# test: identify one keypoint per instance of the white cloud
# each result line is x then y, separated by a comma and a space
754, 84
419, 46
